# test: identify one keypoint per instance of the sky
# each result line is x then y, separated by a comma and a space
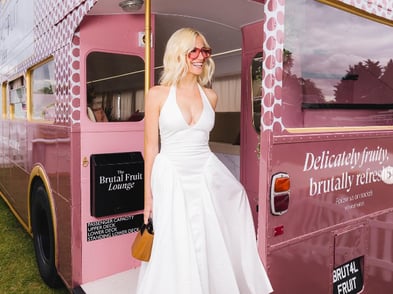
326, 41
16, 37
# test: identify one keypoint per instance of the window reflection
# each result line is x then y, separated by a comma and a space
256, 89
43, 92
115, 87
335, 60
3, 104
17, 94
338, 57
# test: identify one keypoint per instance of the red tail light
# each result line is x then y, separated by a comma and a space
279, 193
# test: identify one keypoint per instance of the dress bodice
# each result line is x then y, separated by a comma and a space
177, 136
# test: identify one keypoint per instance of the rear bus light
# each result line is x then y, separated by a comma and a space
279, 193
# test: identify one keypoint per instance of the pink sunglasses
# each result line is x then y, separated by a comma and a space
194, 53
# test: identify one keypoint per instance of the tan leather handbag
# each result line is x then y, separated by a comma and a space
141, 247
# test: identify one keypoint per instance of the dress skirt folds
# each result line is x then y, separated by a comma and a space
204, 238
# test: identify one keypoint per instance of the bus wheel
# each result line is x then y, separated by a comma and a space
43, 236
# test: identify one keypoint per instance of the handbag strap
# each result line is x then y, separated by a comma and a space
148, 226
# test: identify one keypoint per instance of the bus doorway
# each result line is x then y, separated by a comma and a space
112, 107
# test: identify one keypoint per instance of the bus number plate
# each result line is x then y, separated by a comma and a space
348, 278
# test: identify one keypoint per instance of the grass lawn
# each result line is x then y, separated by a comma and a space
18, 269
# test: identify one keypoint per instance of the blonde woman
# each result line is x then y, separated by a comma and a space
204, 239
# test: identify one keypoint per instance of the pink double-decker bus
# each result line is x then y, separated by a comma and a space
304, 121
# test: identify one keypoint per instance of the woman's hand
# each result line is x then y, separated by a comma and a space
148, 211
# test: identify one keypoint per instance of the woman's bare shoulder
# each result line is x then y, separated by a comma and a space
212, 96
159, 90
158, 94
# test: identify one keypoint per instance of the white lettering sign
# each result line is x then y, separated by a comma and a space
121, 181
357, 172
347, 278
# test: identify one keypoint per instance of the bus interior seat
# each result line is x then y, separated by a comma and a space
90, 114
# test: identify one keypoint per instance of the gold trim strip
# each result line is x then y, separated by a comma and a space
38, 171
147, 44
338, 129
357, 11
4, 100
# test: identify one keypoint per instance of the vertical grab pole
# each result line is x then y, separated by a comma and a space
147, 67
147, 44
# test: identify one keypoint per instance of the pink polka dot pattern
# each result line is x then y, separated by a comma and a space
271, 118
272, 64
55, 35
74, 63
382, 8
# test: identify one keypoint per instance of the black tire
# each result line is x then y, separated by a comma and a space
43, 236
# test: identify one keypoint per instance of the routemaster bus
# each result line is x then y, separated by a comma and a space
304, 121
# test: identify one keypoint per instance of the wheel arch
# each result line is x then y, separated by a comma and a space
39, 176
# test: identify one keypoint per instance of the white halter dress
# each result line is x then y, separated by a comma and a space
204, 239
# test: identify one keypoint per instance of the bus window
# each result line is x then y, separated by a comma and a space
17, 97
227, 120
4, 104
341, 74
256, 90
115, 87
43, 92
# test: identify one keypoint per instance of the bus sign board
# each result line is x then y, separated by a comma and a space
116, 183
348, 278
112, 227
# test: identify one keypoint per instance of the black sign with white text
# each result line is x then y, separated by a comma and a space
117, 226
348, 278
116, 183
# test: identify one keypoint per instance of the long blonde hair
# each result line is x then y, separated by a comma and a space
175, 58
